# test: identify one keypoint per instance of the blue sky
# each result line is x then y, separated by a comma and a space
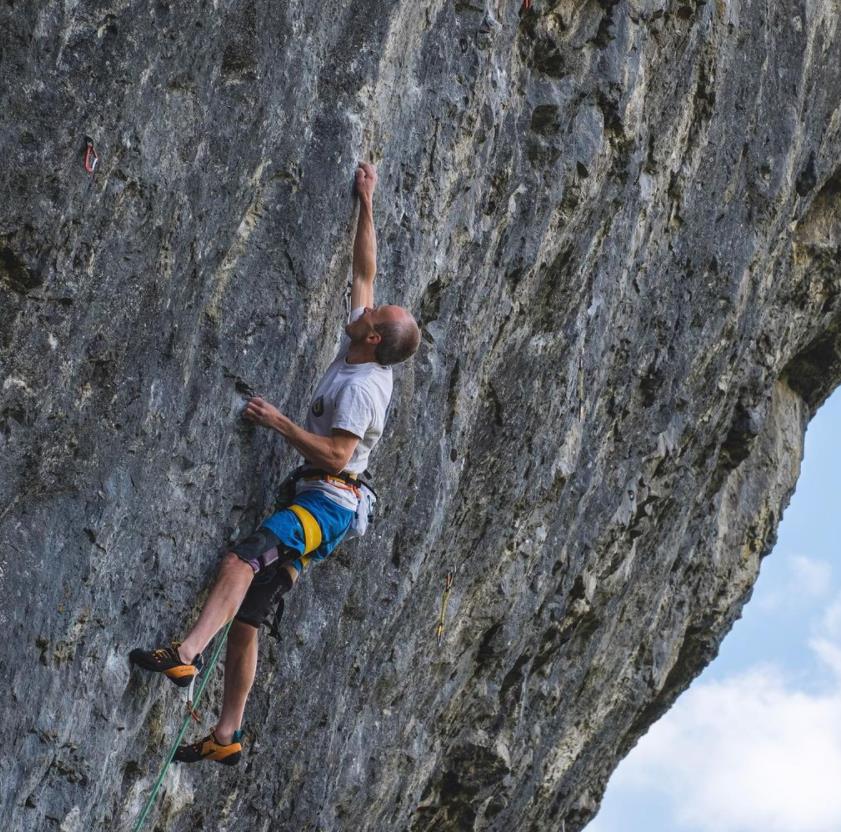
755, 744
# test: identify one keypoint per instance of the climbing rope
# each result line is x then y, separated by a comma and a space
191, 714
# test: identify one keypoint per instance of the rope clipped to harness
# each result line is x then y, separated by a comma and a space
205, 675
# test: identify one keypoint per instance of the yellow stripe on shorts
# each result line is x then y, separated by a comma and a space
312, 531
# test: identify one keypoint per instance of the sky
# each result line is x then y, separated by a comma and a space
754, 745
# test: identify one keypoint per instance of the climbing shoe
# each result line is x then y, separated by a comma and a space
211, 749
167, 661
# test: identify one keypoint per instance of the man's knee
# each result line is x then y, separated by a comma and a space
233, 563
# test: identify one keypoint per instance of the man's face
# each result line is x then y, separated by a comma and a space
365, 325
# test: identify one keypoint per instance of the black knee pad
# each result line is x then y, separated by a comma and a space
261, 549
256, 607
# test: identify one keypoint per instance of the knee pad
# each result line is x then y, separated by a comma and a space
266, 586
261, 549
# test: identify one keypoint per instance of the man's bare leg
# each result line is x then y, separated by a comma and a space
234, 578
240, 669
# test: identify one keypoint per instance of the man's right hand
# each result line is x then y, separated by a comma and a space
262, 413
366, 181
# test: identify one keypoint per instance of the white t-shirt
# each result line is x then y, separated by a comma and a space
351, 397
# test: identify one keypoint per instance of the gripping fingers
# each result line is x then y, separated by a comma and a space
366, 178
258, 411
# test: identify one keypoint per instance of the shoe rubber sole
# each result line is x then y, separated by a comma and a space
179, 674
209, 749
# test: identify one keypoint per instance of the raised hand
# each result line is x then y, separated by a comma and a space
366, 180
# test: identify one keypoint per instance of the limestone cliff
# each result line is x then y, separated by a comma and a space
620, 224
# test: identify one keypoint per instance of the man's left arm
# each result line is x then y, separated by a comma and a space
365, 241
330, 453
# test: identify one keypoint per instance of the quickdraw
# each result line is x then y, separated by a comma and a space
439, 630
348, 290
91, 156
190, 701
527, 4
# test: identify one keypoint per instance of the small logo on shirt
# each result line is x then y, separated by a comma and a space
318, 406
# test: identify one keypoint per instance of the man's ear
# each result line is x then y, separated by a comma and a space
373, 337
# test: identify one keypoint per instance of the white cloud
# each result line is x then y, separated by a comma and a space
826, 643
811, 577
832, 619
751, 753
829, 653
808, 579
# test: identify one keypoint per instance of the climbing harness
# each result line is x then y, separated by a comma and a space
361, 487
191, 714
310, 472
445, 598
91, 156
364, 510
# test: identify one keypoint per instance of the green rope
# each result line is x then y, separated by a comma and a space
205, 675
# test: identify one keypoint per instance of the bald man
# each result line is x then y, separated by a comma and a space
344, 421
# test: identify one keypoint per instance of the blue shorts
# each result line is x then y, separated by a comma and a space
313, 526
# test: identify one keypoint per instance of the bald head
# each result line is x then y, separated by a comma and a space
399, 335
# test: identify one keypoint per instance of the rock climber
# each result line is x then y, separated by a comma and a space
344, 422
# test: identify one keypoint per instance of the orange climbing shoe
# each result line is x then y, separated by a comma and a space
211, 749
167, 661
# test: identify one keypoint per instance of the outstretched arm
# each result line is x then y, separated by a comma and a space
330, 453
365, 244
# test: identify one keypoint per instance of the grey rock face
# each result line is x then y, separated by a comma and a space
619, 223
